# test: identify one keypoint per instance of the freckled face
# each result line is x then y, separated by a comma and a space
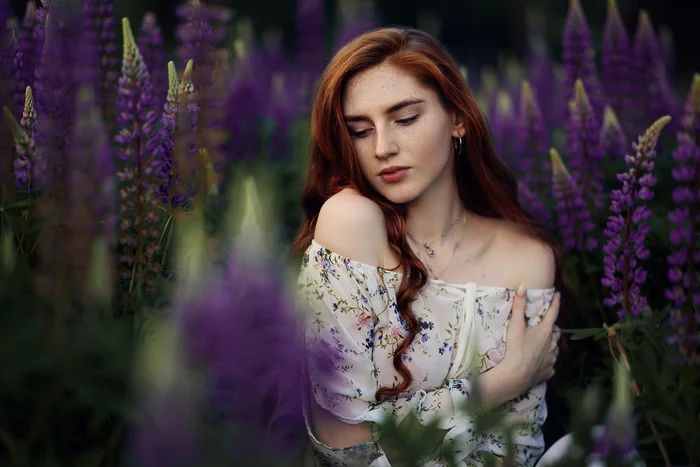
395, 122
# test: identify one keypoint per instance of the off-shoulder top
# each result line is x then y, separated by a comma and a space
352, 315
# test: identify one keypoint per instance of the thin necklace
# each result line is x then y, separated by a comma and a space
430, 269
430, 250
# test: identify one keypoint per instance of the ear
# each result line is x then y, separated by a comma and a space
458, 127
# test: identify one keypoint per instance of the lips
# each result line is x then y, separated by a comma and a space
394, 174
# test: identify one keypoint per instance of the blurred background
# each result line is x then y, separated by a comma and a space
475, 31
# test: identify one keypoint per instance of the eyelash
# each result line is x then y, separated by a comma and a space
403, 121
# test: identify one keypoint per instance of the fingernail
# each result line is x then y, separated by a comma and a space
521, 290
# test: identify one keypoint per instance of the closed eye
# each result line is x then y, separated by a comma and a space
403, 121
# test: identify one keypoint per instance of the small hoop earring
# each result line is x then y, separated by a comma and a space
458, 146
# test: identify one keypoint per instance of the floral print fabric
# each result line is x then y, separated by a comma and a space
353, 316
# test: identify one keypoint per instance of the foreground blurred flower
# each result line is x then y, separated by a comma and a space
616, 52
626, 228
578, 57
532, 143
615, 441
585, 151
573, 215
685, 235
139, 215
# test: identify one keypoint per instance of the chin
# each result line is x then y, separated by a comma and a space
399, 194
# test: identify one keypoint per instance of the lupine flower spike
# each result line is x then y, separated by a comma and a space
684, 260
627, 228
578, 57
25, 145
573, 216
583, 145
616, 53
531, 160
139, 214
612, 136
25, 60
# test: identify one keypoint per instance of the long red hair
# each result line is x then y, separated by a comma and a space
485, 185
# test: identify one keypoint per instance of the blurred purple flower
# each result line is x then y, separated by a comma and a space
616, 66
25, 145
503, 121
281, 113
627, 227
356, 18
139, 221
533, 205
668, 49
541, 72
310, 24
99, 22
652, 85
150, 44
573, 216
612, 137
532, 161
578, 57
684, 291
242, 328
8, 50
584, 148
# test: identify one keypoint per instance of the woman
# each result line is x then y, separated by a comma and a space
413, 247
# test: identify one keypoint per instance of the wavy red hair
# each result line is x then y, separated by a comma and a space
485, 185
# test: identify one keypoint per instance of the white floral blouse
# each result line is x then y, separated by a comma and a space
353, 314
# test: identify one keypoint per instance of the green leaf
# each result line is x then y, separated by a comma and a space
578, 334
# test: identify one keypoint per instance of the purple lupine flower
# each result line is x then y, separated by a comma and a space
310, 35
151, 46
531, 158
616, 53
281, 113
533, 205
684, 291
578, 57
627, 227
616, 441
243, 112
25, 145
166, 429
178, 148
573, 216
241, 328
541, 73
25, 59
584, 148
612, 136
39, 32
356, 18
99, 18
652, 87
92, 194
138, 138
503, 126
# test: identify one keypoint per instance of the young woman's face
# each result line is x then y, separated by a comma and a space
401, 132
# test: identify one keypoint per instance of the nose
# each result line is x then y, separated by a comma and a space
385, 145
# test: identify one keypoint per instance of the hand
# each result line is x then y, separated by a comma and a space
531, 352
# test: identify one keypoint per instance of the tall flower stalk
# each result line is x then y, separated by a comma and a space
99, 18
150, 44
583, 145
616, 54
573, 216
684, 261
178, 149
25, 145
578, 57
25, 59
627, 228
612, 137
532, 142
140, 217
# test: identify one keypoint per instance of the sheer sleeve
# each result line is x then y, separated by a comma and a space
343, 299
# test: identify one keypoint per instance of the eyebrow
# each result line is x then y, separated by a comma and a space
393, 108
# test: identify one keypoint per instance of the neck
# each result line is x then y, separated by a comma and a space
435, 211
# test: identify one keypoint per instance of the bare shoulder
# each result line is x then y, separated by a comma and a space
528, 259
352, 226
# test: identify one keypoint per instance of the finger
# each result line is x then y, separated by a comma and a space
550, 317
517, 320
553, 346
